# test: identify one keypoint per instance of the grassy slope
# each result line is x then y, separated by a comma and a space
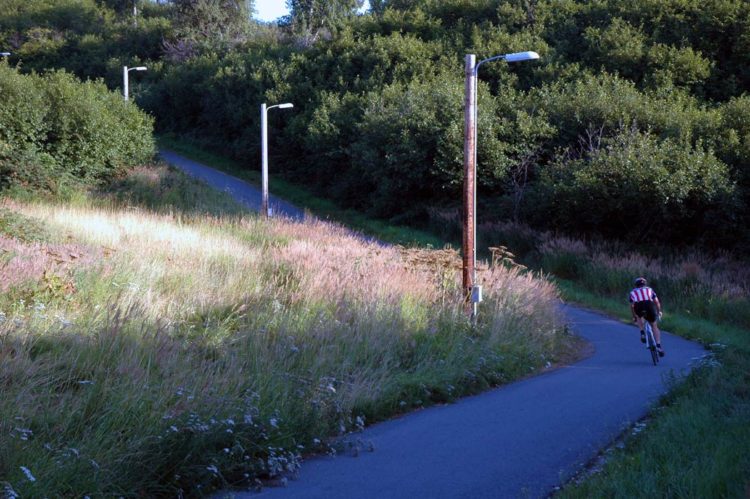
714, 402
233, 343
323, 208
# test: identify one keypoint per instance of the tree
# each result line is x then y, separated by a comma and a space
310, 19
211, 23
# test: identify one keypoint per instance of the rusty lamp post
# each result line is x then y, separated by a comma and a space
472, 290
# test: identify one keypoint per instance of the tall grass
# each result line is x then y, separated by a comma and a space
714, 287
164, 353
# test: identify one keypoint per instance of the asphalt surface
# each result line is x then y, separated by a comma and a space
520, 440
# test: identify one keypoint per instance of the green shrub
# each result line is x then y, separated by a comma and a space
55, 130
634, 185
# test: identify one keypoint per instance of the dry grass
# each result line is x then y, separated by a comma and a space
196, 351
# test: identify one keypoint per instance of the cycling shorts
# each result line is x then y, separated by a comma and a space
646, 309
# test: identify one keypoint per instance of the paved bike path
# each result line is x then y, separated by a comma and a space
520, 440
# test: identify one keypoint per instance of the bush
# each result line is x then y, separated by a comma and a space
55, 130
636, 185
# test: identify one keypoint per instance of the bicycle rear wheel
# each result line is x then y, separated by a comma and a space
651, 344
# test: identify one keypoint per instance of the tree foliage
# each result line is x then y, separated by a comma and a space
212, 23
378, 120
309, 19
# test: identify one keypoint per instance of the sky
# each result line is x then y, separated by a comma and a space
270, 10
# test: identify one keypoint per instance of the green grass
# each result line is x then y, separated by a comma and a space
22, 228
303, 198
164, 189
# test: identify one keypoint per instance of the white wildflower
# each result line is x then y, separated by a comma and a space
173, 428
316, 441
330, 388
63, 321
274, 422
86, 382
24, 433
230, 422
28, 474
248, 419
226, 450
9, 492
213, 469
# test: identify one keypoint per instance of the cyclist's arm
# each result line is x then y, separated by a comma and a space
658, 304
632, 311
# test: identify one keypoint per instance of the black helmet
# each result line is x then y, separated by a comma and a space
640, 281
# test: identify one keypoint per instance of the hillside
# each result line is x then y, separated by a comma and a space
636, 110
148, 352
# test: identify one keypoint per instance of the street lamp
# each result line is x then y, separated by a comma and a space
472, 290
4, 54
264, 208
125, 71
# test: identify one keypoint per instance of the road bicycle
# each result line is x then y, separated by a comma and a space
651, 342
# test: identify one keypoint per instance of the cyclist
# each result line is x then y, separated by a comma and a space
644, 305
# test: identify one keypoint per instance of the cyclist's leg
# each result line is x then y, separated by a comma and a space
639, 319
642, 326
651, 315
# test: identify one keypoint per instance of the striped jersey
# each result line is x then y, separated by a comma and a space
642, 294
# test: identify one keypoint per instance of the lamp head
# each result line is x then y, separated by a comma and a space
521, 56
140, 68
286, 105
